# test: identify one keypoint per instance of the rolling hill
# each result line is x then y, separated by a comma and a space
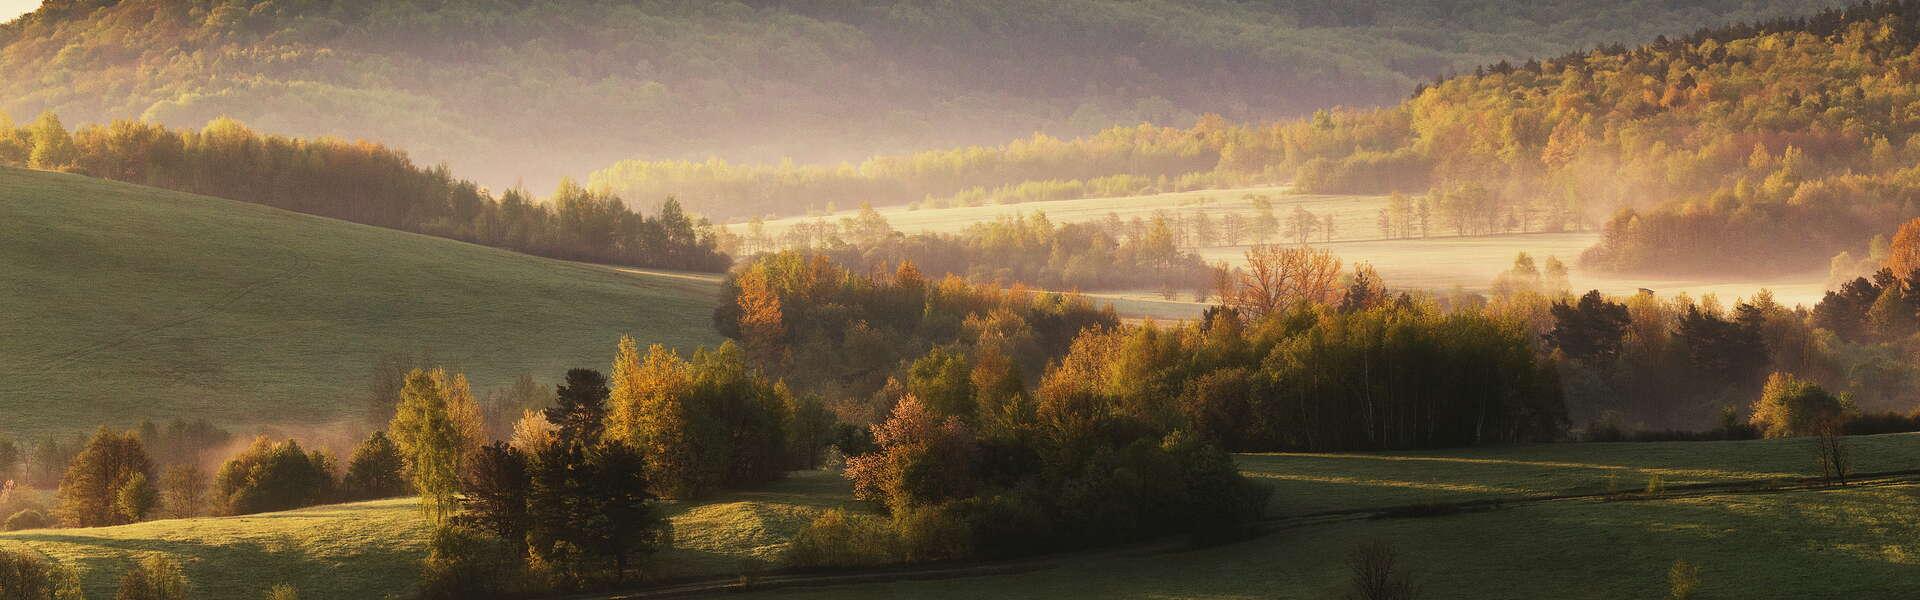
537, 90
1731, 507
125, 302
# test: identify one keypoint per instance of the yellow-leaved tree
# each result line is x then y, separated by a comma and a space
646, 409
430, 441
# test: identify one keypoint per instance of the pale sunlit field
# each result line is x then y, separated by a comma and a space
1437, 262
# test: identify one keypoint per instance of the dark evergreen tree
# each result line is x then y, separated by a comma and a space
495, 493
375, 470
580, 407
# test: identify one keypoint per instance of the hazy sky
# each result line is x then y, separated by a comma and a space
14, 8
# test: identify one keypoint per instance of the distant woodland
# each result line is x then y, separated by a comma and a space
506, 91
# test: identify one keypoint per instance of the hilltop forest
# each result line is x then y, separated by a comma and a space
516, 90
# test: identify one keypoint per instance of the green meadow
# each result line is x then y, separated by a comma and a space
1748, 543
373, 549
125, 302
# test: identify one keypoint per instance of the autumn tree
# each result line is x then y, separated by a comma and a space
1791, 407
430, 441
106, 482
762, 324
53, 148
1903, 254
648, 410
1275, 276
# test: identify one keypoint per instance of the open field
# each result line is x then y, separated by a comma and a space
1840, 543
1309, 483
1439, 262
125, 302
1774, 542
1848, 542
373, 549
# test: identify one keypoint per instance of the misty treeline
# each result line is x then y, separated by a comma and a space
543, 89
1115, 162
1028, 248
1644, 366
364, 183
1708, 153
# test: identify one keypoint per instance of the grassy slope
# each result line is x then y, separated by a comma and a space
372, 549
126, 302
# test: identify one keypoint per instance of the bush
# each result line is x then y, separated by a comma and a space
838, 538
283, 592
465, 563
934, 533
1682, 580
28, 519
25, 576
155, 578
268, 477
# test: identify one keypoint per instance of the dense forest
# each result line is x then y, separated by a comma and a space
535, 90
365, 183
1739, 150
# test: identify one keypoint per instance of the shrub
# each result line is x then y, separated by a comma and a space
1682, 580
269, 477
283, 592
466, 563
155, 578
934, 533
838, 538
26, 576
1376, 573
29, 519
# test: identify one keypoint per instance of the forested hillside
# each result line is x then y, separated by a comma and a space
534, 90
1741, 150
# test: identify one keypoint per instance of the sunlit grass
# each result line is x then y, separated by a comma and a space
1312, 482
123, 302
373, 549
1846, 543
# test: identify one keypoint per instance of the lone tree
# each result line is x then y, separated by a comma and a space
430, 441
1790, 407
109, 483
1377, 573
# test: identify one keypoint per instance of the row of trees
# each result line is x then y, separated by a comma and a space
365, 183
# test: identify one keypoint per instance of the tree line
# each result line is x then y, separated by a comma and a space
365, 183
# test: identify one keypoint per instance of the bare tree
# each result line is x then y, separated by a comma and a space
1277, 276
1377, 574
